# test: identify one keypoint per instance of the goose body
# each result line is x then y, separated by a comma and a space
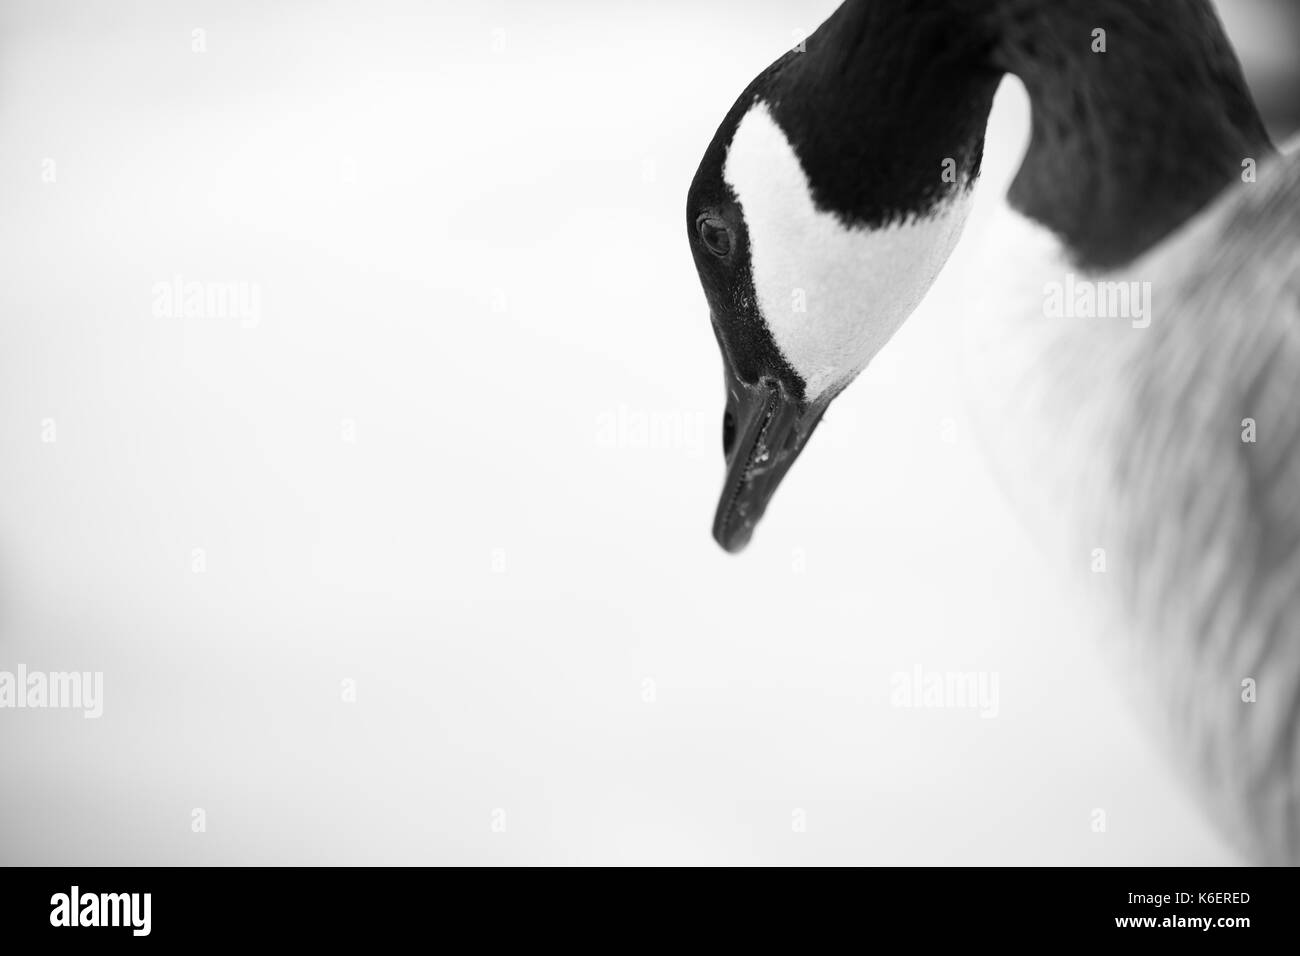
1160, 468
1133, 341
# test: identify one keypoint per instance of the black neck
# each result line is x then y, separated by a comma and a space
1130, 143
1126, 145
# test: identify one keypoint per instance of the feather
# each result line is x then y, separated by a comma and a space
1174, 448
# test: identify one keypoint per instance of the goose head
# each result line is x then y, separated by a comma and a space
818, 218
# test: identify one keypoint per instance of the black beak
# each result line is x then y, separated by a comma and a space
763, 432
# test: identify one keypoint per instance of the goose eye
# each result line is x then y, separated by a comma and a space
715, 235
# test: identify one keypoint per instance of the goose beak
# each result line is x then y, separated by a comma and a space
763, 431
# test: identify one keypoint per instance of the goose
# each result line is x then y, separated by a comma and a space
1132, 354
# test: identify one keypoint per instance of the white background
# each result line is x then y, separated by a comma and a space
466, 222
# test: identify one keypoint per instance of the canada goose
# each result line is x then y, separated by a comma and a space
1135, 365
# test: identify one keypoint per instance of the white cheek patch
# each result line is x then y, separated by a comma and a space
831, 295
